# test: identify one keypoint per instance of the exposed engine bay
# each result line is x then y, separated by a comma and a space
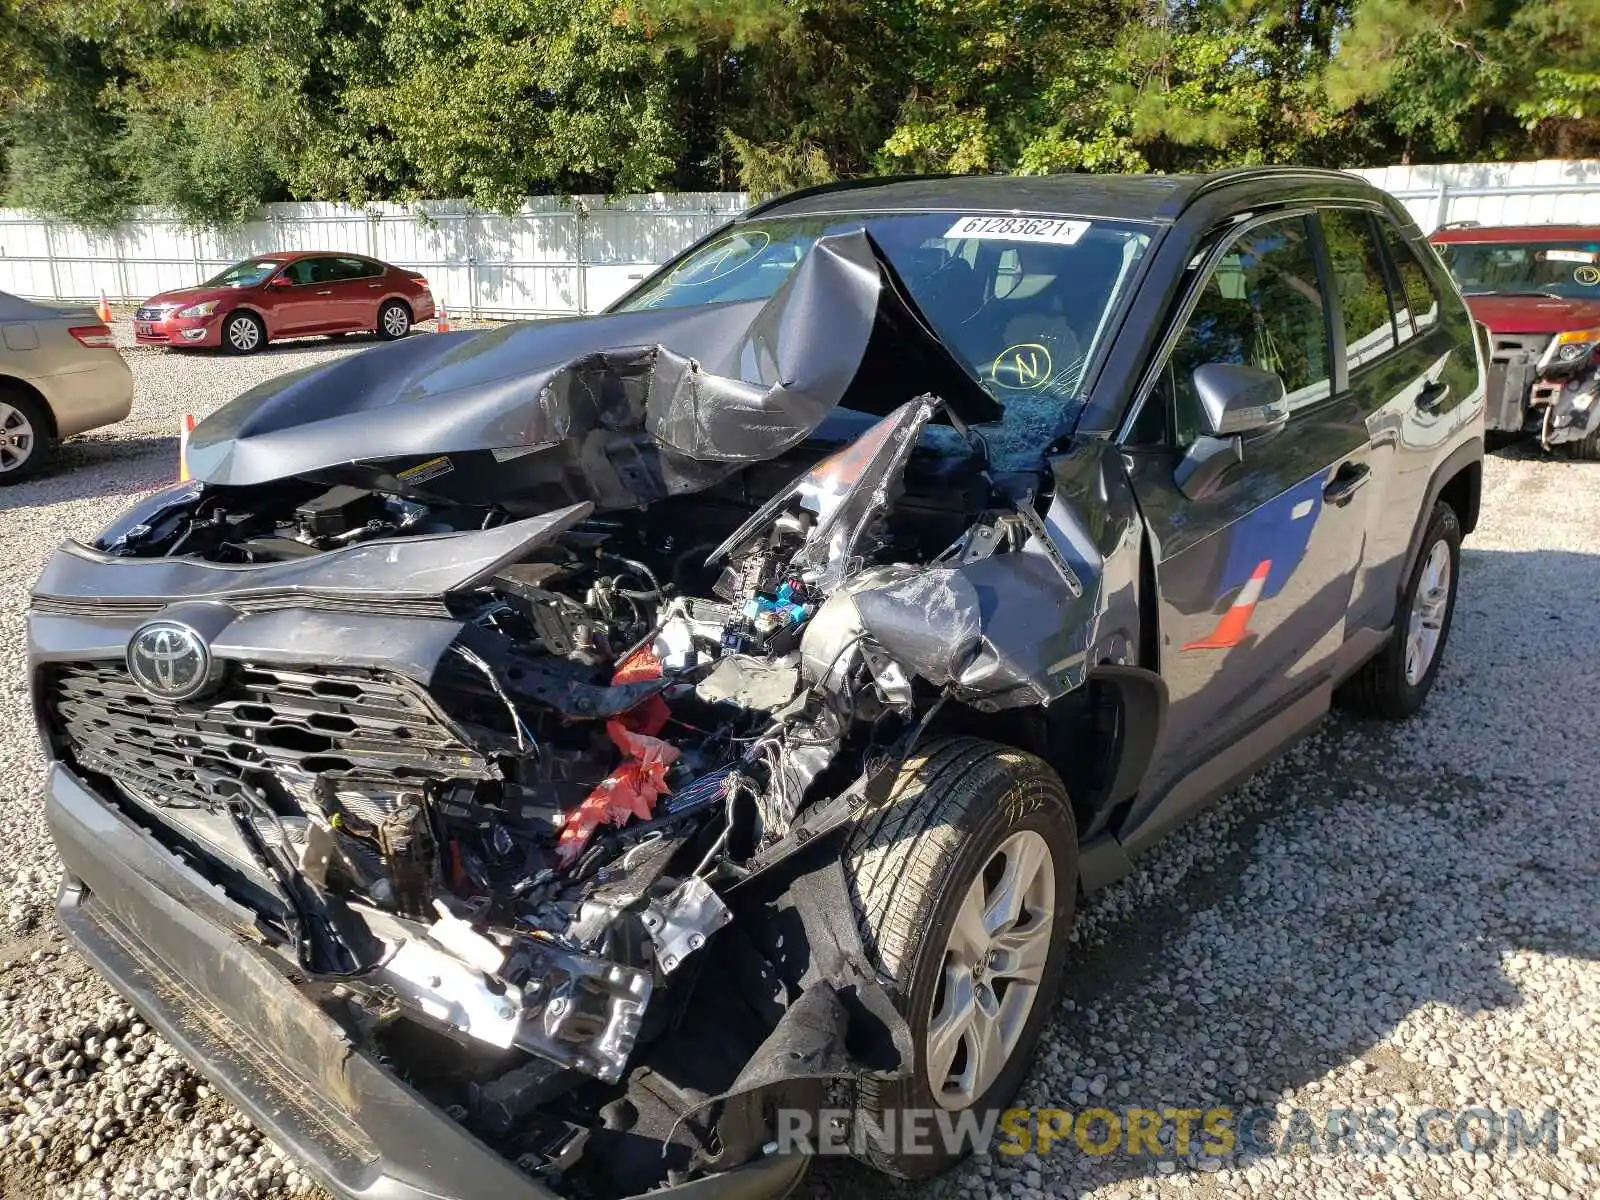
504, 829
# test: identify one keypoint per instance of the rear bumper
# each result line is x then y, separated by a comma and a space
189, 959
90, 397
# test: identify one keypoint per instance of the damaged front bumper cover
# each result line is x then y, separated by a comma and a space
1561, 405
183, 955
1565, 410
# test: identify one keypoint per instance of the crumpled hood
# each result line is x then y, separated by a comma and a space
1534, 314
617, 408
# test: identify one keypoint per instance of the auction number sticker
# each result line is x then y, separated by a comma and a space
1571, 256
1055, 230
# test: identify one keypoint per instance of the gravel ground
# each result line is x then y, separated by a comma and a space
1391, 917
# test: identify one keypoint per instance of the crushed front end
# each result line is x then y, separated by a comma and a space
1545, 384
492, 846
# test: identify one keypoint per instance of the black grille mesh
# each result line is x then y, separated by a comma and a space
379, 729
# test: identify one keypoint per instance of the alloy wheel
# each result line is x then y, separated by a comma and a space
1426, 623
395, 322
993, 965
16, 437
244, 335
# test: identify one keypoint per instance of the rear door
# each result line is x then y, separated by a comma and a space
357, 289
1254, 578
1402, 371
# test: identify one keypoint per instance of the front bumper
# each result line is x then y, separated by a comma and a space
190, 960
179, 331
1564, 407
1566, 410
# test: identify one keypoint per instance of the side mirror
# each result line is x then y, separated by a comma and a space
1237, 399
1234, 400
278, 281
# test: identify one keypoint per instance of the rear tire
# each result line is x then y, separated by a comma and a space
970, 823
394, 320
25, 441
243, 333
1393, 684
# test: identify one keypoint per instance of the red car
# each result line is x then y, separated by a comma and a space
284, 296
1537, 288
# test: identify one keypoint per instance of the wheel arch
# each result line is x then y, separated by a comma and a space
252, 310
1100, 739
17, 384
1458, 482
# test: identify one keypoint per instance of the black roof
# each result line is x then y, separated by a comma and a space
1133, 197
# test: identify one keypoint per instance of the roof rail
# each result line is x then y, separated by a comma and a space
1229, 175
840, 185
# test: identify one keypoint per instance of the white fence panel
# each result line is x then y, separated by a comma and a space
1551, 191
555, 256
576, 255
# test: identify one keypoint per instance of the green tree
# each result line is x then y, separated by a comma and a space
1476, 77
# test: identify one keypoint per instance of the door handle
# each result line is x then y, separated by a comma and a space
374, 285
327, 293
1346, 482
1432, 394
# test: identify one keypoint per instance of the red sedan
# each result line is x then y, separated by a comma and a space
284, 296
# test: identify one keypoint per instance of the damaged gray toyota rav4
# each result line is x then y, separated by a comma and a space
546, 760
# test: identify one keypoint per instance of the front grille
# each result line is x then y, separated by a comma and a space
149, 314
263, 600
381, 730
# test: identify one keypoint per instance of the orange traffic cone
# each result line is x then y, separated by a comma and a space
1235, 622
441, 319
103, 309
184, 430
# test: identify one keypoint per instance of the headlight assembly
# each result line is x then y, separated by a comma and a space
1570, 347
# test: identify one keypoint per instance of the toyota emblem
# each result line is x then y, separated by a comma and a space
170, 661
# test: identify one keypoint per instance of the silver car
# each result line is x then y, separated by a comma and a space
60, 374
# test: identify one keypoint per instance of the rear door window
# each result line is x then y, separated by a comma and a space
1356, 263
310, 270
354, 268
1417, 304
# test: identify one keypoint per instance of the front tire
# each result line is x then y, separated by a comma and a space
243, 333
394, 320
1393, 684
25, 441
1586, 449
965, 888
